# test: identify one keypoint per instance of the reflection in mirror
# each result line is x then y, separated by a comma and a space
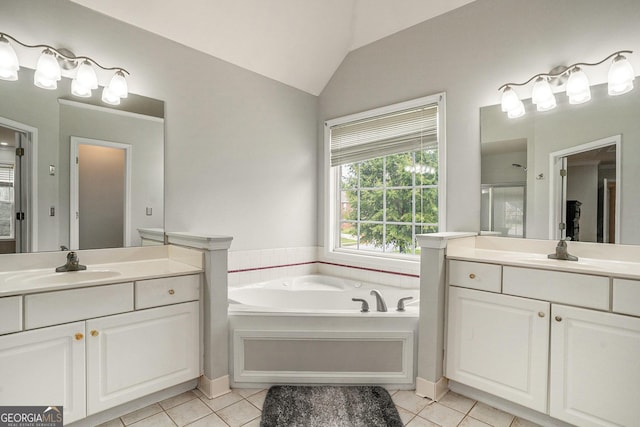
600, 141
36, 203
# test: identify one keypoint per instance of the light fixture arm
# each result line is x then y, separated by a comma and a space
565, 70
66, 57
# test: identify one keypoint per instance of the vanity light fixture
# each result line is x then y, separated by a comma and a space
48, 71
578, 89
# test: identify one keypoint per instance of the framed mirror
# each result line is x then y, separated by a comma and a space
76, 173
522, 162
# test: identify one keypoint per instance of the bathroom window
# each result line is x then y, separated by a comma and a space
386, 177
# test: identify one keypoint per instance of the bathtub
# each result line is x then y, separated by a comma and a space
307, 330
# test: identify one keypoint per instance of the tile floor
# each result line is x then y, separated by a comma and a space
243, 407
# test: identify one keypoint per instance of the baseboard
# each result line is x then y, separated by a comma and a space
214, 388
431, 390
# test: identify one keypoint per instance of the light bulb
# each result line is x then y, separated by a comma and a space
517, 111
47, 70
86, 75
8, 61
542, 95
510, 99
621, 76
578, 89
110, 98
43, 82
78, 89
118, 85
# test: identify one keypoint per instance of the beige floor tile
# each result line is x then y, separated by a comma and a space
140, 414
421, 422
407, 399
455, 401
254, 423
211, 420
491, 415
405, 415
177, 400
472, 422
157, 420
112, 423
519, 422
258, 399
239, 413
222, 401
188, 412
246, 392
442, 415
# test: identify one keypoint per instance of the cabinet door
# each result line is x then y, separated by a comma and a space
45, 367
499, 344
595, 367
134, 354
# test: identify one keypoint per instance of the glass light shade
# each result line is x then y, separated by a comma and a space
118, 85
510, 99
621, 76
86, 76
110, 98
8, 61
578, 89
48, 67
517, 111
44, 82
78, 89
542, 95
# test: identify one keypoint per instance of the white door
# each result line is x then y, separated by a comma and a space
499, 344
134, 354
45, 367
595, 367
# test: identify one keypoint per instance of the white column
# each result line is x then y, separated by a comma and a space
430, 381
215, 379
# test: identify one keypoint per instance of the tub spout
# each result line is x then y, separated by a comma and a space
380, 304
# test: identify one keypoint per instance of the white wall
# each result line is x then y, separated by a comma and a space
469, 53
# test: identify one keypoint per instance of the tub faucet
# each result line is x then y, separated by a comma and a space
380, 304
73, 264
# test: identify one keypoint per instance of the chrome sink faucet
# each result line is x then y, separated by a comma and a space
73, 264
380, 304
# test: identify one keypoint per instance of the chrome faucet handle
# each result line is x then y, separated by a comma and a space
365, 304
401, 303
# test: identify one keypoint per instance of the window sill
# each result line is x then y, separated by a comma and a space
407, 264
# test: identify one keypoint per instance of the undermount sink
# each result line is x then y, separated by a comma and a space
53, 278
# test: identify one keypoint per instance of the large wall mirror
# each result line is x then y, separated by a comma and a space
576, 164
75, 173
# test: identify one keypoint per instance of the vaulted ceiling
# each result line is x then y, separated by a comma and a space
300, 43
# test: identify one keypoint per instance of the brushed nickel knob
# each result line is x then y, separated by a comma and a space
79, 336
171, 292
94, 333
472, 276
558, 319
541, 314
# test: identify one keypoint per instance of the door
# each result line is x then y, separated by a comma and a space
45, 367
499, 344
594, 358
134, 354
100, 194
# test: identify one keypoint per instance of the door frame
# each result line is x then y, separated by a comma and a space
74, 181
31, 184
555, 162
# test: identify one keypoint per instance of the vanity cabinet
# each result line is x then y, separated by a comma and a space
98, 363
499, 344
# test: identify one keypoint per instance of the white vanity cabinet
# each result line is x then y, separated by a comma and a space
106, 356
499, 344
595, 367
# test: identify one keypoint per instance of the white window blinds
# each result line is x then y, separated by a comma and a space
398, 132
6, 175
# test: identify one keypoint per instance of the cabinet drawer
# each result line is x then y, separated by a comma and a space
569, 288
168, 290
626, 296
475, 275
52, 308
10, 314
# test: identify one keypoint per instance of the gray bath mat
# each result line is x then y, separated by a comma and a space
329, 406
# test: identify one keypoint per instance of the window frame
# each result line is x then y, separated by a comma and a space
332, 201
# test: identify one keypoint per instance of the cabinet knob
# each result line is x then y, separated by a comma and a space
472, 276
558, 319
541, 314
94, 333
171, 292
78, 336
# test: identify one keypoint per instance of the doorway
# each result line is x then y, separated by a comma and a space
585, 184
100, 181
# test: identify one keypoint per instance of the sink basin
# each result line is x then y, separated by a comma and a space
53, 278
